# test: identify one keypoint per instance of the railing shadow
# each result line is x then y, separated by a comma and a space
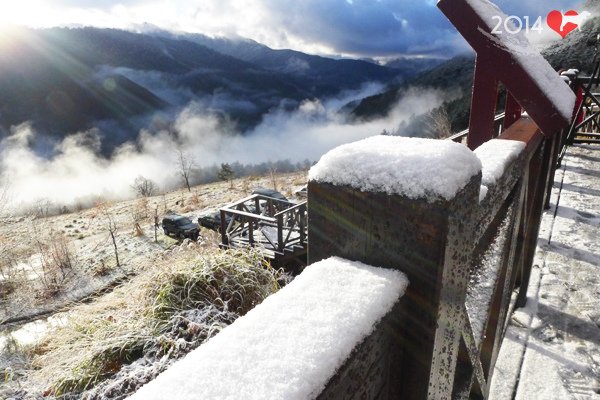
585, 157
584, 329
556, 356
579, 216
580, 189
570, 252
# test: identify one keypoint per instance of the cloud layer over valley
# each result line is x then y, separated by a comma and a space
78, 175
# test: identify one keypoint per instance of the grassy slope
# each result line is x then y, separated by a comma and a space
141, 318
87, 236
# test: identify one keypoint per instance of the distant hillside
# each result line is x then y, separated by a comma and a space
325, 74
454, 74
414, 66
574, 51
68, 80
43, 81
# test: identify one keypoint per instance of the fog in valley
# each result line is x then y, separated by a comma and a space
76, 174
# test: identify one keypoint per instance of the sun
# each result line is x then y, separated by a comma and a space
10, 12
31, 13
16, 15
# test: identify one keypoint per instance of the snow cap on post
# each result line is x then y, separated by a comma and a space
410, 167
527, 75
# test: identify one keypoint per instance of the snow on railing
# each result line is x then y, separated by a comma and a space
506, 56
460, 224
290, 346
495, 156
399, 165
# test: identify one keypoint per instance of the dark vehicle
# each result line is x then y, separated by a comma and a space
211, 221
180, 227
270, 193
302, 192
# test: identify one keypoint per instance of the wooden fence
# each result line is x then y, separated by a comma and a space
278, 226
468, 259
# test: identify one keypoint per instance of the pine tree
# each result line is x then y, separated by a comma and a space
226, 172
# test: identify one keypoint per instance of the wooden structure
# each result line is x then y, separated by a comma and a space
278, 227
464, 257
497, 64
586, 123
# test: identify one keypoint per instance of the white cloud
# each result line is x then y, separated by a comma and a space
76, 174
359, 28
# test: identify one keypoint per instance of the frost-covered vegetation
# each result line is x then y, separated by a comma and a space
163, 299
110, 347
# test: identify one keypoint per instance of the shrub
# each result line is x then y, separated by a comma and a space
57, 260
165, 312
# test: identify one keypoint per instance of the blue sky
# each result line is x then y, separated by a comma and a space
359, 28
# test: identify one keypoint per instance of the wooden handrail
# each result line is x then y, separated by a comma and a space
259, 197
458, 137
299, 205
257, 217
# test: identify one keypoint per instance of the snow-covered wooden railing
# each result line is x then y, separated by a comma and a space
459, 224
464, 241
586, 122
506, 57
320, 337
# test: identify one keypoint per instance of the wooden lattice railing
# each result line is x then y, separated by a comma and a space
276, 225
464, 259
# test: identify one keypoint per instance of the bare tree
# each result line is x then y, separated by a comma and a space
3, 196
57, 260
42, 207
273, 173
111, 226
144, 187
8, 248
139, 213
438, 123
156, 225
185, 163
8, 262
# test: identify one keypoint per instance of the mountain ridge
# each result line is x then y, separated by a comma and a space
66, 80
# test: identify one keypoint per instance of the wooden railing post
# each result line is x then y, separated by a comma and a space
512, 111
251, 232
428, 241
483, 104
539, 171
302, 223
280, 243
224, 237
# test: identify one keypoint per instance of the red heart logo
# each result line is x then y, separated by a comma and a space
563, 24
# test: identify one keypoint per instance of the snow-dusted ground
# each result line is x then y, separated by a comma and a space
552, 347
88, 238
